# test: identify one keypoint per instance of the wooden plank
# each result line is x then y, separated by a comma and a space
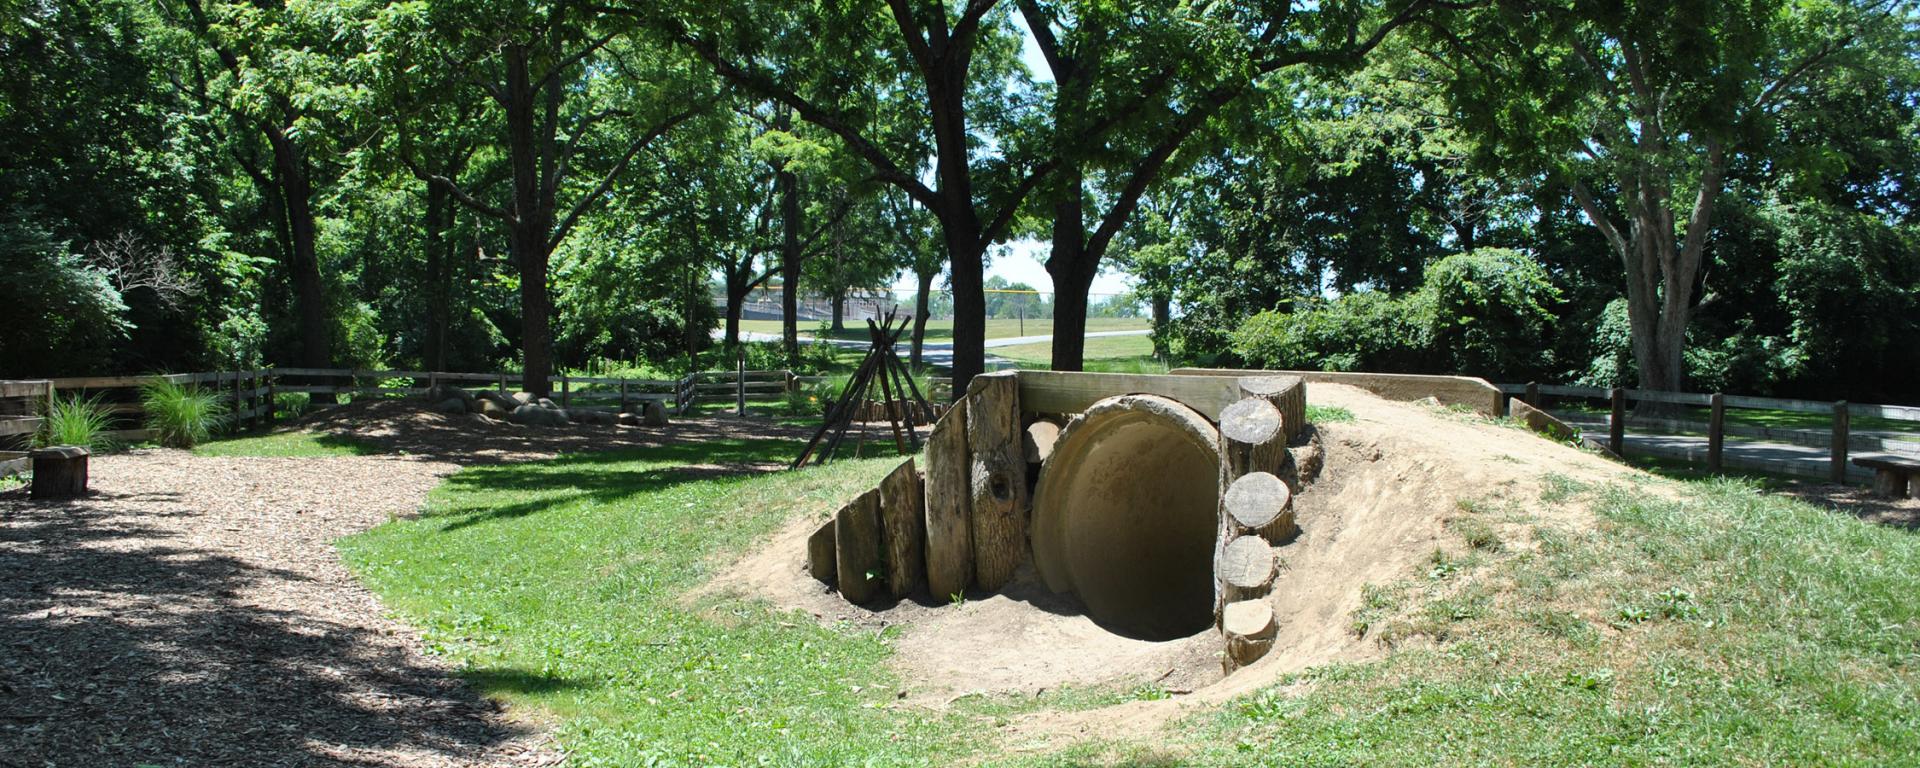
1676, 398
1559, 390
821, 563
857, 549
101, 382
129, 434
1894, 412
999, 477
23, 388
1783, 404
1073, 392
903, 524
25, 425
948, 501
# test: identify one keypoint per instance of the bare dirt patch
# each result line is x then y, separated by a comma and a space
1393, 477
193, 610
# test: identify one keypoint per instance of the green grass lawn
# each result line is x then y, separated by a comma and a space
942, 330
1114, 354
294, 444
1723, 626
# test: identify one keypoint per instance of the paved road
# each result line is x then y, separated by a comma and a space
1737, 453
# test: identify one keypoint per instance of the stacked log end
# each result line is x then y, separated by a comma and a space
1247, 567
1254, 431
1249, 627
1261, 502
998, 477
1256, 511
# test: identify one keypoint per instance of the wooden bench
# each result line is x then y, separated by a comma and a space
1894, 478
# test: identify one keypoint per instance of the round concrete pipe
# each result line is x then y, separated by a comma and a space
1126, 513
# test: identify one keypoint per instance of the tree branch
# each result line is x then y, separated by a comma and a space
458, 194
580, 206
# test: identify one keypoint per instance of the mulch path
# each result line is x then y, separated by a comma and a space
193, 610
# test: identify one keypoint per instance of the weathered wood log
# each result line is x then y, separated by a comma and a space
948, 500
1249, 629
1037, 444
820, 560
59, 472
1246, 569
1287, 393
903, 524
1261, 504
1255, 441
857, 549
1887, 483
999, 478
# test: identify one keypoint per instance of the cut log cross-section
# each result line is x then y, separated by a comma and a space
1261, 504
1249, 627
1246, 569
904, 529
59, 472
857, 549
999, 477
948, 499
1255, 437
820, 560
1287, 393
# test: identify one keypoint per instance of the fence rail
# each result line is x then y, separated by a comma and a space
1839, 440
250, 394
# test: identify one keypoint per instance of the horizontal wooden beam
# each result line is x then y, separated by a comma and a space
1074, 392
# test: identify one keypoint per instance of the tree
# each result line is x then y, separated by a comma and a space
1640, 109
579, 97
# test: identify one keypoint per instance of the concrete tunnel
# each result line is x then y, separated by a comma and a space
1126, 513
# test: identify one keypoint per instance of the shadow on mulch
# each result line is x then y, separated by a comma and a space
122, 644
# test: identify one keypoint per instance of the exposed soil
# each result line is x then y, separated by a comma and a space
193, 610
1392, 478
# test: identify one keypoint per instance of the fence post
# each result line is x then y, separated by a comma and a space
1716, 432
1533, 394
1617, 424
566, 392
503, 382
239, 405
623, 396
740, 384
273, 401
1840, 427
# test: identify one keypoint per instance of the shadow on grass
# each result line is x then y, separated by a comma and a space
518, 681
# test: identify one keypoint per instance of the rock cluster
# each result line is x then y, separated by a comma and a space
531, 410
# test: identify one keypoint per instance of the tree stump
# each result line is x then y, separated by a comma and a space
1249, 628
1261, 503
59, 472
1246, 569
1255, 437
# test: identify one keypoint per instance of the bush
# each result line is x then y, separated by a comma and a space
76, 421
1492, 312
181, 416
1368, 330
291, 405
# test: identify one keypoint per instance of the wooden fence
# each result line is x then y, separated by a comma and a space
251, 394
1839, 439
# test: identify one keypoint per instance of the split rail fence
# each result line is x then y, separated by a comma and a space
1838, 441
251, 394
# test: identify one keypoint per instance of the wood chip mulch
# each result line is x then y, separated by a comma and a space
193, 610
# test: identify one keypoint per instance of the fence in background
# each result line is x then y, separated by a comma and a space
1838, 440
250, 395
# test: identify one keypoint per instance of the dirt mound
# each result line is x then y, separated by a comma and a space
407, 426
1393, 476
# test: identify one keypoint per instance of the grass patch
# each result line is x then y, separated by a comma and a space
78, 421
559, 585
1727, 627
1107, 354
1332, 414
182, 415
294, 444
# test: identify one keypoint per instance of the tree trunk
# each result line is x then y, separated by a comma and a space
920, 315
967, 254
439, 283
736, 300
790, 259
296, 189
530, 225
839, 309
1162, 307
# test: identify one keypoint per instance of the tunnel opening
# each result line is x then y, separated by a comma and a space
1126, 513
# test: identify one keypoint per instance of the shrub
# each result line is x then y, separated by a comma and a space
1367, 330
76, 421
181, 416
289, 405
1491, 312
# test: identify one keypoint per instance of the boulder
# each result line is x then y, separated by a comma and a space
440, 393
492, 408
500, 399
548, 404
524, 398
628, 419
593, 417
451, 405
536, 416
654, 414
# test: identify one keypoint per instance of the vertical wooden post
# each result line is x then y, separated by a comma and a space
273, 400
623, 395
1716, 432
503, 382
740, 384
566, 392
1533, 394
1841, 426
239, 405
1617, 423
948, 498
999, 478
903, 527
858, 549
